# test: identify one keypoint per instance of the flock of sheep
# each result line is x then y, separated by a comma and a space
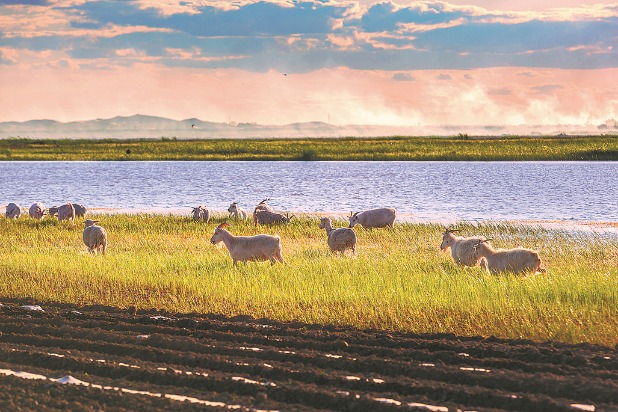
466, 251
94, 236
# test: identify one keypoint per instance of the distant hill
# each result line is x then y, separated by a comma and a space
143, 126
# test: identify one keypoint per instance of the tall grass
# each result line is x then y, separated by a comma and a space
604, 147
399, 280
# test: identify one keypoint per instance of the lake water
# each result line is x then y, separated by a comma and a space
434, 191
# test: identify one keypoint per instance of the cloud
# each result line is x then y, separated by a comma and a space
24, 2
252, 19
403, 77
525, 74
303, 36
500, 91
443, 76
547, 88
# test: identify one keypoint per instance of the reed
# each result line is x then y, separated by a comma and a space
603, 147
399, 280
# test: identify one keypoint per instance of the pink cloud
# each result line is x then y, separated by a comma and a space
342, 96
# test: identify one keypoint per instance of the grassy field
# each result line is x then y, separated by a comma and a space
459, 147
399, 280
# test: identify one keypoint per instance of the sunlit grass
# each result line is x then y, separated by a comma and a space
399, 280
604, 147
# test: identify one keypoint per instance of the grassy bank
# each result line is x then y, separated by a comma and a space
392, 148
399, 280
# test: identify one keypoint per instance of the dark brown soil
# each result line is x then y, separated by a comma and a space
259, 364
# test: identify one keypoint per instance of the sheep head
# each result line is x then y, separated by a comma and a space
217, 237
324, 222
448, 238
477, 250
89, 222
353, 219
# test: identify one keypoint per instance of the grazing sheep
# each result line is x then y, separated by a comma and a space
339, 239
264, 217
95, 237
518, 260
237, 212
37, 210
13, 211
80, 210
374, 218
262, 206
462, 248
249, 248
201, 213
64, 212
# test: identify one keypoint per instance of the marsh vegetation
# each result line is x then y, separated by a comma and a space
398, 280
603, 147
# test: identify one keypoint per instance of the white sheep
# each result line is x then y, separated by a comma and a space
249, 248
201, 213
37, 210
64, 212
264, 217
80, 210
262, 206
95, 237
518, 260
339, 239
13, 211
462, 248
375, 218
237, 212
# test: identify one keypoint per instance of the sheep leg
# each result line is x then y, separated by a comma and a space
278, 257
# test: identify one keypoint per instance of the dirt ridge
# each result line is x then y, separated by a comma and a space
260, 364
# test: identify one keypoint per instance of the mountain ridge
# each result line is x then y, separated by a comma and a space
148, 126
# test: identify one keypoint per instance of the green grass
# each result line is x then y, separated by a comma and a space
399, 280
604, 147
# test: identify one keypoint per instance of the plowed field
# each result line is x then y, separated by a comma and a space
99, 358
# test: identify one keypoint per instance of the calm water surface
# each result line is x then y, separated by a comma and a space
426, 190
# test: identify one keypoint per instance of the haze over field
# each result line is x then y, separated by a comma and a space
414, 66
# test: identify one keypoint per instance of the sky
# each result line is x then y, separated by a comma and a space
461, 62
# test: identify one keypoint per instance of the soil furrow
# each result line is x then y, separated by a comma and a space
289, 366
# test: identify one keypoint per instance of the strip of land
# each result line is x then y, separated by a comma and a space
457, 148
399, 280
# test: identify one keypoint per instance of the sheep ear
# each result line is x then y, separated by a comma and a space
223, 225
486, 240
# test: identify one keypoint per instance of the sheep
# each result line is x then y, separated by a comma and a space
201, 213
249, 248
95, 237
80, 210
37, 210
262, 206
237, 212
339, 239
462, 248
264, 217
64, 212
375, 218
518, 260
13, 211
